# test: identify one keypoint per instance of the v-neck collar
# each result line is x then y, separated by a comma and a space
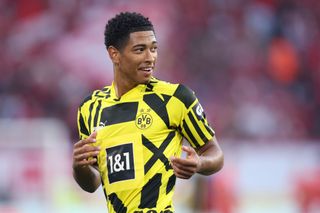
140, 88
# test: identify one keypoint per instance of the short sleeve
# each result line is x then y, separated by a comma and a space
83, 120
82, 127
193, 124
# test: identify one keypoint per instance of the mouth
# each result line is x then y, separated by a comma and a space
146, 70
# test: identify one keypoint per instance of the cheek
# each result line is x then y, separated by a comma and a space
131, 62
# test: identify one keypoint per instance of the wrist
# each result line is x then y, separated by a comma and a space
199, 164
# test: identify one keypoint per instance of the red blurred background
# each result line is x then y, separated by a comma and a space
254, 65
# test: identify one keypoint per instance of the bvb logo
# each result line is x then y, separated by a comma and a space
144, 121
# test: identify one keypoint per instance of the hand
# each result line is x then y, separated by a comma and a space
84, 153
185, 168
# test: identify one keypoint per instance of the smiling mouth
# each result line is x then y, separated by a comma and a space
146, 69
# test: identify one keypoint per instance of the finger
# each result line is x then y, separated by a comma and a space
83, 142
86, 155
182, 173
91, 139
85, 149
184, 162
184, 169
189, 150
189, 168
86, 162
93, 135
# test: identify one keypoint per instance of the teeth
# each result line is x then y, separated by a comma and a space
147, 69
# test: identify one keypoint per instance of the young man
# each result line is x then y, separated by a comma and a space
131, 131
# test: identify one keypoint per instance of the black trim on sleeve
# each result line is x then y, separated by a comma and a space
189, 134
85, 100
83, 128
95, 120
210, 130
90, 115
185, 95
196, 126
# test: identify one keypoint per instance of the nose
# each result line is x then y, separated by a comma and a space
150, 56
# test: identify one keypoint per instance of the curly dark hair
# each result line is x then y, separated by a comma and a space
118, 29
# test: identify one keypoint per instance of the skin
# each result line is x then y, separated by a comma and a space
84, 171
133, 65
206, 160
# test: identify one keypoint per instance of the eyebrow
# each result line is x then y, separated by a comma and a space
144, 45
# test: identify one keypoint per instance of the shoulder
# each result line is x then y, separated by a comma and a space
185, 95
96, 95
163, 87
179, 91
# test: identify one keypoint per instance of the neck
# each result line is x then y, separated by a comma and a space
121, 87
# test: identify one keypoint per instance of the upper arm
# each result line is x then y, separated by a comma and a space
193, 123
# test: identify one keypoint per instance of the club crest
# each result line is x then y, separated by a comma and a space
144, 120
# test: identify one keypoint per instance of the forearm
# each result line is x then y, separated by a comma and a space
87, 177
211, 159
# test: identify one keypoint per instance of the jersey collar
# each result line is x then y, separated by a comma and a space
133, 93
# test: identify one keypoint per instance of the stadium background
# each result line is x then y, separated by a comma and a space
254, 64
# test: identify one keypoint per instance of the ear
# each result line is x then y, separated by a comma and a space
114, 54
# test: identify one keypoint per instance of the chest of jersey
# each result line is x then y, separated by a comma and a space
136, 140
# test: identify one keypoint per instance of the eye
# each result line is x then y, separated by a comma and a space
139, 50
154, 49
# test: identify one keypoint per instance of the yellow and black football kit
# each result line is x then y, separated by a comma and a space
137, 134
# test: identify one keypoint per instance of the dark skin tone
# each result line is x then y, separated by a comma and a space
134, 65
84, 170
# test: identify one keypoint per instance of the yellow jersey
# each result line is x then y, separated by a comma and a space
137, 135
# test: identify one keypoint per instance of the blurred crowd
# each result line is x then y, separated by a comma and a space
254, 64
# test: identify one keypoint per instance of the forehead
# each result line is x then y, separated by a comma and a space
141, 37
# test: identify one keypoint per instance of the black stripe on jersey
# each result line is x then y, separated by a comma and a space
159, 106
185, 95
90, 116
95, 120
106, 90
117, 204
157, 152
119, 113
190, 135
209, 130
171, 183
85, 100
83, 128
196, 126
150, 192
149, 87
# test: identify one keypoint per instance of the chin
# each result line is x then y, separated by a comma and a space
146, 80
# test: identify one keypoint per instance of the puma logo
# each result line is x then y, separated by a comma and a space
101, 125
